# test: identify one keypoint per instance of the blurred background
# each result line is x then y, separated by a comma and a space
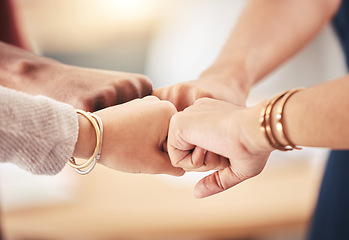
170, 41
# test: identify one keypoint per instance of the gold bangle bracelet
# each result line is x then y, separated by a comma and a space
280, 123
267, 127
264, 125
268, 123
89, 169
96, 152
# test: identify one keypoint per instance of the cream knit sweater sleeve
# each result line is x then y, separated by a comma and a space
36, 133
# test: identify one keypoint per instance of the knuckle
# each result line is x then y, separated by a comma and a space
127, 89
178, 87
109, 93
169, 107
180, 172
196, 165
201, 101
176, 163
132, 89
145, 84
203, 94
177, 91
180, 95
175, 121
161, 93
85, 103
152, 98
100, 101
142, 77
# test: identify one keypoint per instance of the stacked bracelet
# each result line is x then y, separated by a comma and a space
280, 124
267, 126
87, 166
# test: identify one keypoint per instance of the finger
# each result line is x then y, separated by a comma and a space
205, 101
150, 98
213, 162
145, 85
216, 182
160, 93
199, 160
183, 98
163, 165
198, 94
126, 91
97, 101
184, 158
209, 104
203, 105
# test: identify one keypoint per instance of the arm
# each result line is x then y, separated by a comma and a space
267, 33
135, 134
39, 134
88, 89
234, 144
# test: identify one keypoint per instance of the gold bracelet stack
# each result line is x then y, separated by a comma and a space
87, 166
270, 130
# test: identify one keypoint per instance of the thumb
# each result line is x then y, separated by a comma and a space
217, 182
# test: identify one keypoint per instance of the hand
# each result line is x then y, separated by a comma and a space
83, 88
216, 135
210, 84
92, 89
134, 136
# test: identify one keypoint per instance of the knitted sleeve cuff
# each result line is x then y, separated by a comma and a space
38, 133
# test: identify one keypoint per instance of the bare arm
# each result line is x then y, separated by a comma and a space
235, 144
84, 88
133, 139
267, 33
40, 134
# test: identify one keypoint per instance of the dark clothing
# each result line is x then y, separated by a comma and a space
341, 26
331, 217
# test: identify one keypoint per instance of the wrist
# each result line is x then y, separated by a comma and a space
225, 75
252, 133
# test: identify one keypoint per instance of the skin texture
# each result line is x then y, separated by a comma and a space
211, 135
267, 33
83, 88
134, 135
209, 84
216, 135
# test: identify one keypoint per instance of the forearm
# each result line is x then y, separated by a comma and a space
318, 116
314, 117
84, 88
267, 33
